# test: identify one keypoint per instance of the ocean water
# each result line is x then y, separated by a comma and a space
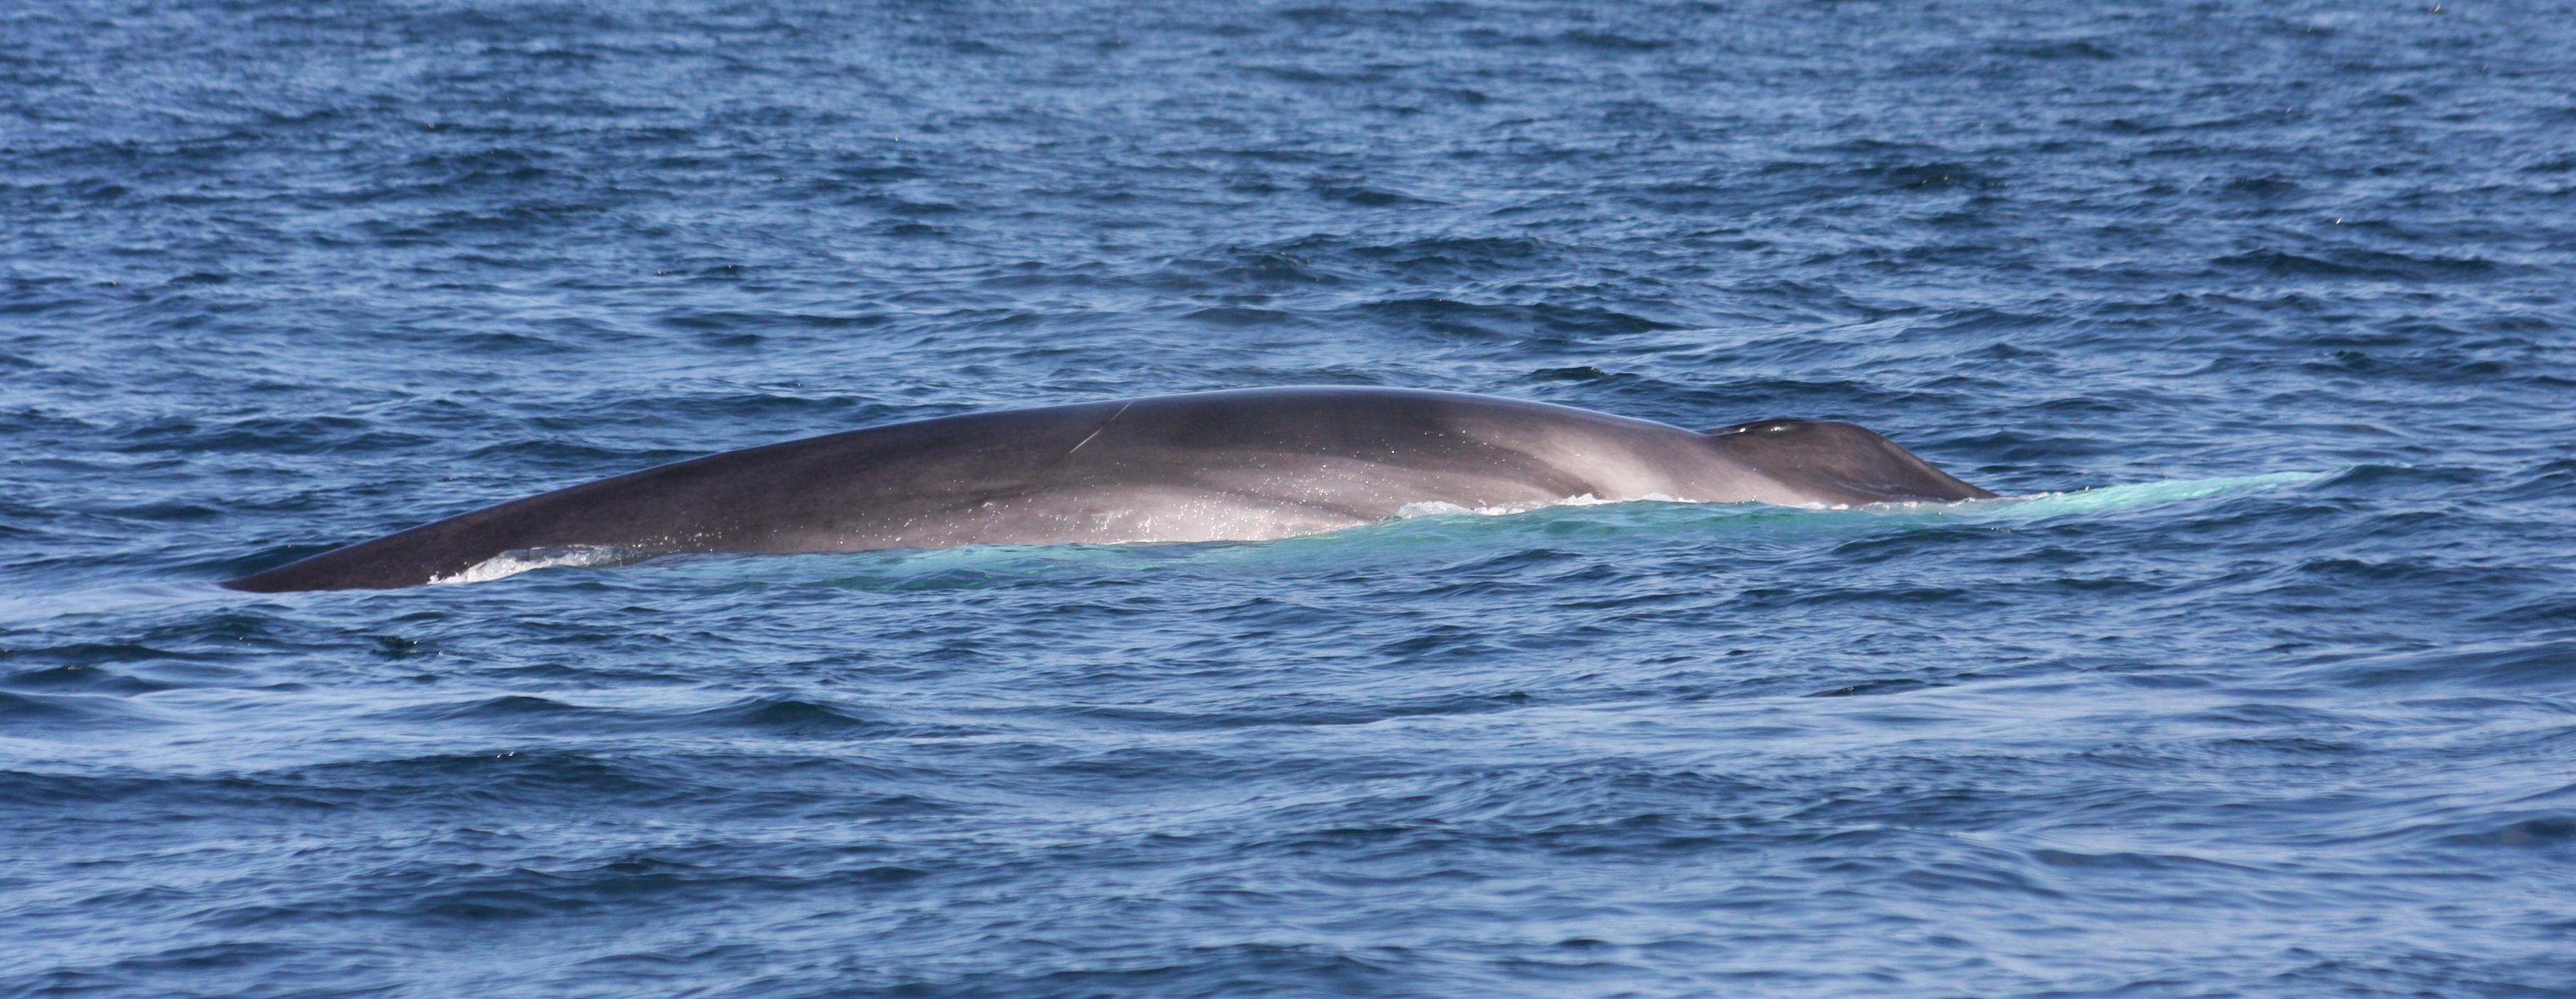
2260, 682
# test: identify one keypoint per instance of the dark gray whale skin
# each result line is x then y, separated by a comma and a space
1237, 465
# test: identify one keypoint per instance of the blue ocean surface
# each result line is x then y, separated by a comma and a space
2259, 681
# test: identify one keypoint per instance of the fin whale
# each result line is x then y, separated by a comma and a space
1249, 464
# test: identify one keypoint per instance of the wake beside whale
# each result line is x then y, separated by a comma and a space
1242, 465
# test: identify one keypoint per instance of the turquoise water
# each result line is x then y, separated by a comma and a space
2259, 681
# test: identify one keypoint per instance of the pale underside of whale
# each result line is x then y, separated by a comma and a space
1243, 465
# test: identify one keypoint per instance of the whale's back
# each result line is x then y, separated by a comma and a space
1243, 465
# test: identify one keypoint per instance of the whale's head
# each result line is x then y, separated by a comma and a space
1829, 461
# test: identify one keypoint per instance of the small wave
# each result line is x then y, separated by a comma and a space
519, 560
783, 714
65, 710
2141, 493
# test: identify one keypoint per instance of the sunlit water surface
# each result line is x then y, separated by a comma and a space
2262, 682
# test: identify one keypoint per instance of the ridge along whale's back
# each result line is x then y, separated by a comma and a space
1249, 464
